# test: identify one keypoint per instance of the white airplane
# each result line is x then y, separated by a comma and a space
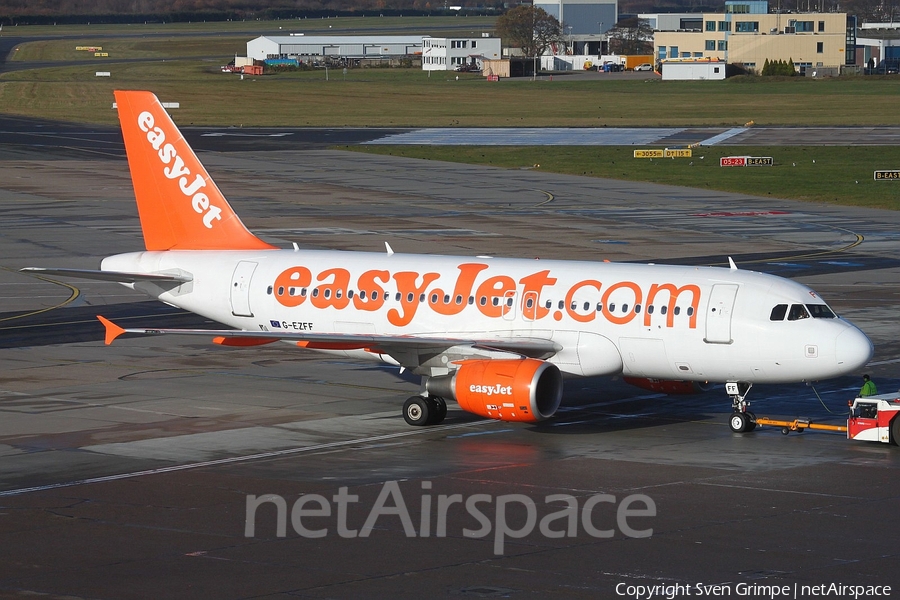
497, 335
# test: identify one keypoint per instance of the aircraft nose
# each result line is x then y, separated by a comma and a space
853, 350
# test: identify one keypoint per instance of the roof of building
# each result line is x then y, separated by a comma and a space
343, 39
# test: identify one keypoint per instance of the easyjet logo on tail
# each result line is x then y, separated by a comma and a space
176, 169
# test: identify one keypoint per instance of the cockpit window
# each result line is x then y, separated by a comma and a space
778, 313
798, 311
820, 311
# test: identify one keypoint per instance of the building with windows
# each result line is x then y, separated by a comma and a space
878, 45
747, 34
583, 21
448, 54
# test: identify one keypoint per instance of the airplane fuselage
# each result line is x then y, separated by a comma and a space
647, 321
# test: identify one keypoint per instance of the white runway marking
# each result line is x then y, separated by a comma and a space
236, 459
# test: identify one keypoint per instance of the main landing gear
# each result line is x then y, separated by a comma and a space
424, 410
742, 420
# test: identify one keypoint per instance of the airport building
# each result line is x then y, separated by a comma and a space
878, 47
747, 34
305, 47
448, 54
583, 21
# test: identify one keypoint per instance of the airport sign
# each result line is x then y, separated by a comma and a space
746, 161
663, 153
891, 174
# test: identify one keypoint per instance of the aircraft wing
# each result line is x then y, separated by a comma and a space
116, 276
406, 350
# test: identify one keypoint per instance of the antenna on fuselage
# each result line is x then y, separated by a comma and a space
388, 248
731, 264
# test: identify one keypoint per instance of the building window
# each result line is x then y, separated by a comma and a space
801, 26
724, 25
746, 27
710, 44
662, 53
710, 25
821, 26
473, 43
820, 47
723, 46
698, 55
673, 51
737, 8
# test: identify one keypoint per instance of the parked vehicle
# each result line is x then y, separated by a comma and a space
644, 67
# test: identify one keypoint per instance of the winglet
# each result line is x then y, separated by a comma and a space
112, 330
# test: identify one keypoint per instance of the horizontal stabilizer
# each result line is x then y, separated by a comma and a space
112, 330
116, 276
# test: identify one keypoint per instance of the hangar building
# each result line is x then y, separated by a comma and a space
338, 46
584, 21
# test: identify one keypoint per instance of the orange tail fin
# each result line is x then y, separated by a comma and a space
179, 204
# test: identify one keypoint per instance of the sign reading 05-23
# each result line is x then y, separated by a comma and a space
746, 161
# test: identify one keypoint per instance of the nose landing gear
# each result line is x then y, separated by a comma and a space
742, 420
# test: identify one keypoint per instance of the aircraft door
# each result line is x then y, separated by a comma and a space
509, 305
240, 289
529, 306
718, 313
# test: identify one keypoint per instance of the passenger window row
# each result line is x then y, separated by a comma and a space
483, 300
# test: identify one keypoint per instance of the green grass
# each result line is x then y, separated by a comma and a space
128, 48
839, 175
410, 98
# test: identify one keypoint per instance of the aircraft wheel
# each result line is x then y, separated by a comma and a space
751, 421
895, 431
417, 411
441, 410
738, 422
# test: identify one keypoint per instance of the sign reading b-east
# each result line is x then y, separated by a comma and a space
746, 161
891, 174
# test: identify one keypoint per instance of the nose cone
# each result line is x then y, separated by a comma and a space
853, 350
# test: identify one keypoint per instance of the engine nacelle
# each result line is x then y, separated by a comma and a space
525, 390
667, 386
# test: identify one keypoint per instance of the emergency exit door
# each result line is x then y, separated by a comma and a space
718, 313
240, 289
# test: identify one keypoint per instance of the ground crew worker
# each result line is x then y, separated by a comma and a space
868, 388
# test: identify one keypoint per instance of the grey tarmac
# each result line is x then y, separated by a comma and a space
125, 471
